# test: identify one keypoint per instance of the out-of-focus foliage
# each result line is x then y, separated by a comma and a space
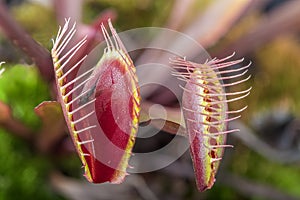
252, 166
38, 21
23, 172
132, 14
277, 82
139, 13
22, 88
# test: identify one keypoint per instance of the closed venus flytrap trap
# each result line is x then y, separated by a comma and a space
101, 106
205, 111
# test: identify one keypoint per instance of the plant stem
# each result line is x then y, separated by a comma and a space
39, 55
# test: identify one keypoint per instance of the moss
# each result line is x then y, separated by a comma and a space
22, 174
23, 89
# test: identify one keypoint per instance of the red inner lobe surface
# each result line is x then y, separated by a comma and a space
113, 104
114, 108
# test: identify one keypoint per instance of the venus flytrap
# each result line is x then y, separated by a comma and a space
102, 107
205, 110
103, 135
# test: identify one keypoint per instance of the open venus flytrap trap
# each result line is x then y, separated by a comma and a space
103, 143
102, 106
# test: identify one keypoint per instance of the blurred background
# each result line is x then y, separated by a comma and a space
38, 162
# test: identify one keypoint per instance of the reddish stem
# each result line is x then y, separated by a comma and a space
12, 125
40, 56
17, 128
